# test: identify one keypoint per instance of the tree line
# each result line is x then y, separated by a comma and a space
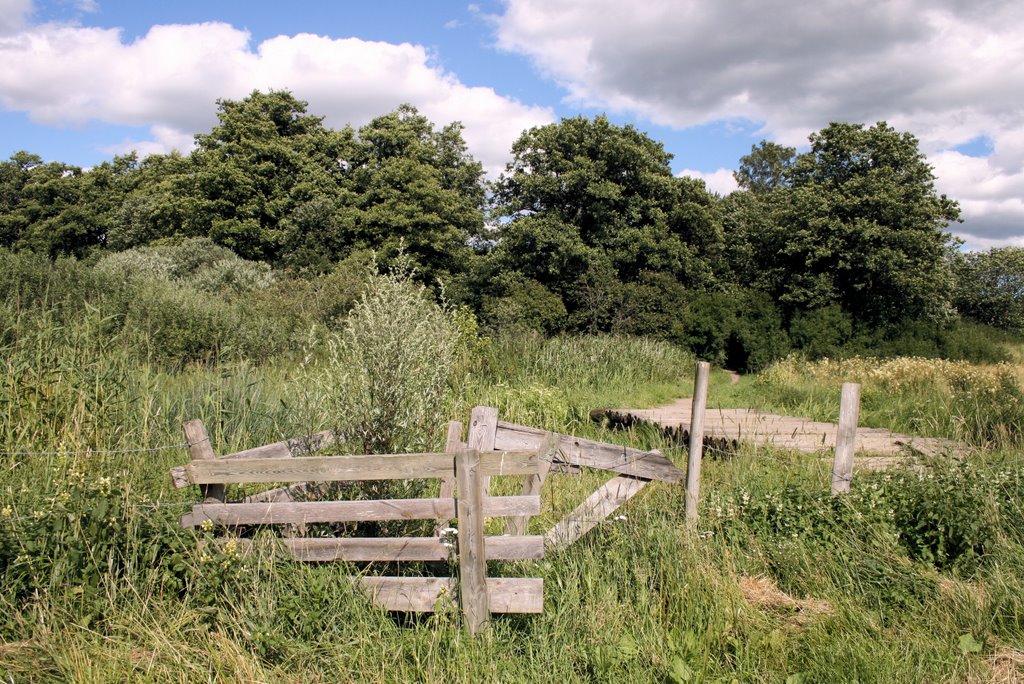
840, 249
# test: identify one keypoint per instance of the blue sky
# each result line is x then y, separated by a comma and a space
86, 79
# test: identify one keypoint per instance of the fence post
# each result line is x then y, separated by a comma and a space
700, 398
846, 438
483, 428
472, 563
199, 448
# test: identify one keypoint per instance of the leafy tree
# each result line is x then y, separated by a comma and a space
990, 287
586, 206
255, 168
415, 190
766, 168
860, 226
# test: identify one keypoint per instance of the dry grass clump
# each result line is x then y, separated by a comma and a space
905, 372
761, 592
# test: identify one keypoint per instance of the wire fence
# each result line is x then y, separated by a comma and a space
99, 452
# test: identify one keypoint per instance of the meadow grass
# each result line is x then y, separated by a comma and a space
916, 576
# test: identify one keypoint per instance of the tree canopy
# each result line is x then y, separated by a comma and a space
586, 230
859, 225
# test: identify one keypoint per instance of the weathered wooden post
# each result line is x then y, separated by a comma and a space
846, 438
472, 559
199, 448
483, 429
700, 398
532, 485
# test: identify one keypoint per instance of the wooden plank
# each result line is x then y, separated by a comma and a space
362, 467
533, 483
592, 454
472, 554
298, 491
453, 443
846, 438
283, 449
596, 508
398, 549
422, 594
696, 450
200, 449
287, 512
483, 423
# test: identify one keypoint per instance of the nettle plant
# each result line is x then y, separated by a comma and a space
80, 540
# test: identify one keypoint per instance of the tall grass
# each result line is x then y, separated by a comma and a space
98, 582
982, 406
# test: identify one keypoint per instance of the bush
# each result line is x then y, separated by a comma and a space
820, 332
388, 375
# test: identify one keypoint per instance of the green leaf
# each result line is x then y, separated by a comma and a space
968, 644
680, 671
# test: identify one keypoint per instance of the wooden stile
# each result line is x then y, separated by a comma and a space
493, 448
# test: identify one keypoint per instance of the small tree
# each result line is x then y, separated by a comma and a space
388, 376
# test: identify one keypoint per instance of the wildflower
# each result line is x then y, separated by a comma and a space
619, 517
7, 512
206, 525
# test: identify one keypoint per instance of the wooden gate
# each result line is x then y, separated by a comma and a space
493, 448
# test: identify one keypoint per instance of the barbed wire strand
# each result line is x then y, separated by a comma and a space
78, 452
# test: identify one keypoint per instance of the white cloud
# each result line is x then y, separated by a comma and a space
946, 70
170, 78
13, 15
720, 181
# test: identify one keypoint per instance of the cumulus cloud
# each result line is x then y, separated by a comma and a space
170, 78
720, 181
13, 15
947, 70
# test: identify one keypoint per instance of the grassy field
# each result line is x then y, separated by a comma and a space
916, 576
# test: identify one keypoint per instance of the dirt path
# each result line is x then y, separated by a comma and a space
732, 426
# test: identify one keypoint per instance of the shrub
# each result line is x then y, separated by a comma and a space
388, 374
820, 332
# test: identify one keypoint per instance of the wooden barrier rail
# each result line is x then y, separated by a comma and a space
493, 448
459, 467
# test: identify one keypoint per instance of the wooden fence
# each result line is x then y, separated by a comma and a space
493, 448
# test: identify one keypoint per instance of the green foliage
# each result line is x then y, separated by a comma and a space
990, 287
860, 226
821, 332
388, 377
738, 329
592, 212
526, 304
766, 168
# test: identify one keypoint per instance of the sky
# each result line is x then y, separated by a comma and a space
83, 80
